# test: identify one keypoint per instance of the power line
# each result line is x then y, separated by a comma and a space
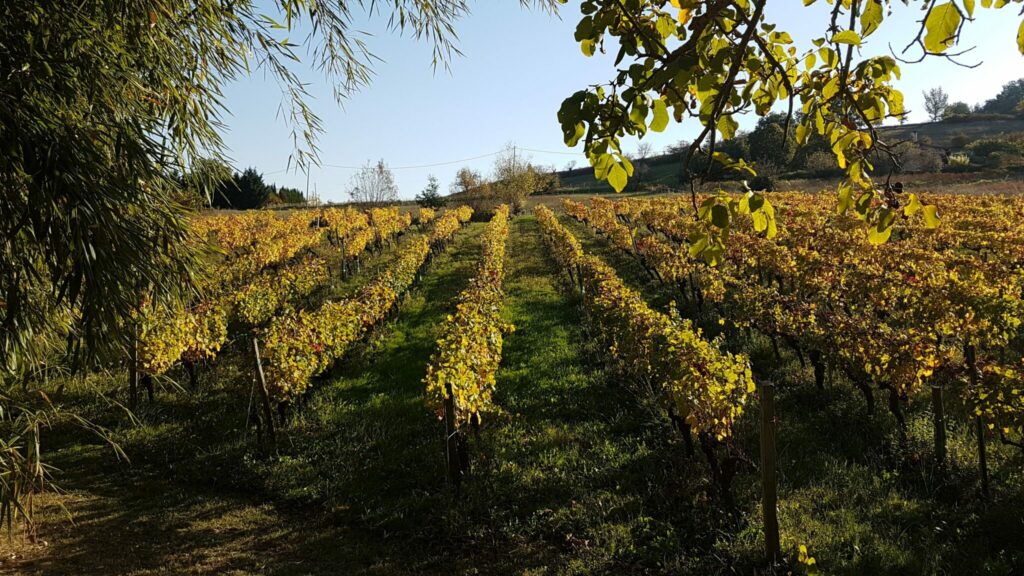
552, 152
416, 167
447, 163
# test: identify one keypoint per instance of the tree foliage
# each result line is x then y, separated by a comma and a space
287, 195
466, 180
243, 191
770, 142
935, 103
1007, 101
514, 178
956, 109
431, 197
711, 61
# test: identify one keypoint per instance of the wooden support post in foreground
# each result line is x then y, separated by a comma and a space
268, 413
451, 441
769, 499
982, 460
133, 376
939, 423
972, 373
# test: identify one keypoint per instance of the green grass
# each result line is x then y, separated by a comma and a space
580, 473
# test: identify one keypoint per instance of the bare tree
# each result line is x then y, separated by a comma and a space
373, 184
935, 102
641, 170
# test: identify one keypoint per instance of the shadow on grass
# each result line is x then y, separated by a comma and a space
858, 498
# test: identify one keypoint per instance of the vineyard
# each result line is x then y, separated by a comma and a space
577, 388
716, 288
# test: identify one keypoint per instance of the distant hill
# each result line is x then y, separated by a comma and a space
666, 168
942, 133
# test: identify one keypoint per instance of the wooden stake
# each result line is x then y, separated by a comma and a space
982, 459
939, 423
133, 376
451, 441
972, 372
769, 501
268, 413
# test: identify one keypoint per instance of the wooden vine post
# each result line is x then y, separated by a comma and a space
451, 440
939, 423
268, 414
982, 460
769, 487
972, 373
133, 375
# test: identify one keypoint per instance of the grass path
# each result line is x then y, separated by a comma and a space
574, 478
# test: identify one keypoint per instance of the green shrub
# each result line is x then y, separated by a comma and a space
921, 160
1001, 160
822, 165
978, 117
964, 169
985, 147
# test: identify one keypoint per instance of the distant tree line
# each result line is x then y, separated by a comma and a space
514, 178
247, 190
775, 153
212, 184
1008, 102
768, 146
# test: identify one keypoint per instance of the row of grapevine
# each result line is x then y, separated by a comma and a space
255, 241
354, 231
707, 387
303, 344
460, 378
251, 241
426, 216
257, 302
932, 309
469, 351
387, 223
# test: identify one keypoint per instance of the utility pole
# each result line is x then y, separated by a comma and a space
307, 183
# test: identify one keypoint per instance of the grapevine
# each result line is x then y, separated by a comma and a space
469, 350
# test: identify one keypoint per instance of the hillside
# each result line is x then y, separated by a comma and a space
942, 133
665, 169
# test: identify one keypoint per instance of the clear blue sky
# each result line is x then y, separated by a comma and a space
518, 66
